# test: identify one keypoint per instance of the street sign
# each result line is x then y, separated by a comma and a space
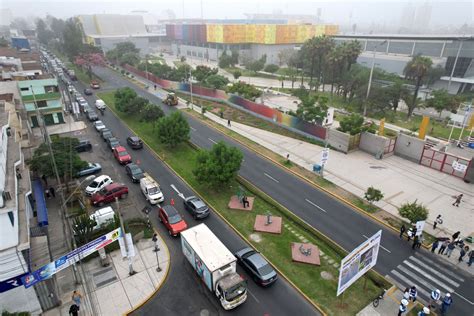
419, 227
324, 156
358, 262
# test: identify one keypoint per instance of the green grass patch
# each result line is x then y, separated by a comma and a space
275, 247
370, 208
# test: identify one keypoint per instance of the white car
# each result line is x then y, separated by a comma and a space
99, 125
98, 184
99, 104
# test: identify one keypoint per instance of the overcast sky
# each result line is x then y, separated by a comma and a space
455, 13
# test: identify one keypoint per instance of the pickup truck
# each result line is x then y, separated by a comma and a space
151, 189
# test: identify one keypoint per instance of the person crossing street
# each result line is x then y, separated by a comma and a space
434, 299
447, 302
413, 293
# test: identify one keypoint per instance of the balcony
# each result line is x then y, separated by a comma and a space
41, 97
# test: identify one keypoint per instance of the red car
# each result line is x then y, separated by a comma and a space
109, 193
170, 217
95, 84
122, 156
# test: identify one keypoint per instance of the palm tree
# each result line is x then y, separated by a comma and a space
352, 51
416, 69
315, 50
336, 62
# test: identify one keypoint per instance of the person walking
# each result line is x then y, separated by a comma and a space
51, 190
76, 298
402, 230
413, 293
437, 221
406, 294
47, 193
425, 311
410, 234
45, 179
462, 253
456, 235
228, 123
471, 258
420, 241
458, 200
450, 249
435, 297
415, 242
443, 247
435, 245
403, 307
74, 310
447, 302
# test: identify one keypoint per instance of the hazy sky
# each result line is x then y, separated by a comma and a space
455, 12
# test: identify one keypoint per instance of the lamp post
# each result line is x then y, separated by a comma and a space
370, 76
156, 250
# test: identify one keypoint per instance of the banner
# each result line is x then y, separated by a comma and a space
423, 126
324, 156
11, 283
48, 270
358, 262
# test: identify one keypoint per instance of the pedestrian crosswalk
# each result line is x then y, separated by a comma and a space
426, 275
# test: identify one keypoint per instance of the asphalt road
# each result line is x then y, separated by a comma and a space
183, 292
328, 215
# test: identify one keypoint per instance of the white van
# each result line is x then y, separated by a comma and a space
151, 189
103, 217
99, 104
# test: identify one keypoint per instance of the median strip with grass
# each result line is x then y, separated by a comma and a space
276, 248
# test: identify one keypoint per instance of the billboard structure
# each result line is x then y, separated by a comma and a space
358, 262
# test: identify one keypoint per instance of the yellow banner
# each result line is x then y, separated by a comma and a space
423, 126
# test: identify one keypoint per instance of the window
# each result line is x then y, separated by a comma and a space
41, 104
25, 89
50, 89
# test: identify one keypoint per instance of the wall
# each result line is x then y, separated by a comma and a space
409, 147
258, 50
141, 43
373, 144
339, 140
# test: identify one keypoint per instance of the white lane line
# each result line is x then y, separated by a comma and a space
472, 303
315, 205
441, 268
181, 195
192, 128
380, 245
248, 290
212, 140
437, 273
428, 276
416, 278
269, 176
408, 283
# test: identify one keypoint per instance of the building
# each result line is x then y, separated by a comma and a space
209, 41
393, 52
16, 211
44, 96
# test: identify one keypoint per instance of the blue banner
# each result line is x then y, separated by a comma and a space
12, 283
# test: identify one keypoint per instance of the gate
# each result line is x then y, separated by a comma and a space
442, 161
390, 146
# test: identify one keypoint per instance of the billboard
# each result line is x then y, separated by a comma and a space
48, 270
358, 262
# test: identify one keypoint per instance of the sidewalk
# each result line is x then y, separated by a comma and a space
388, 306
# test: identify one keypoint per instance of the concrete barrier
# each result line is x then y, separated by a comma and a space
409, 147
343, 142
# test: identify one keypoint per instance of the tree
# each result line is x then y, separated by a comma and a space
413, 212
434, 74
373, 195
172, 129
416, 69
441, 100
351, 124
202, 72
314, 54
351, 52
234, 57
71, 41
237, 74
44, 34
396, 92
310, 112
219, 166
67, 159
83, 227
257, 65
136, 106
216, 81
271, 68
123, 97
285, 55
245, 90
124, 52
152, 113
225, 61
3, 42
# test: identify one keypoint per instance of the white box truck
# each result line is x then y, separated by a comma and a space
215, 265
151, 189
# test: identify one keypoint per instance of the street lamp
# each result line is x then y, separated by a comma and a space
370, 77
156, 250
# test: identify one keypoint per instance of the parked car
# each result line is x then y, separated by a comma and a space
122, 156
172, 220
134, 142
87, 91
107, 135
91, 168
95, 84
260, 270
92, 116
99, 125
98, 184
112, 142
196, 207
134, 172
84, 145
109, 193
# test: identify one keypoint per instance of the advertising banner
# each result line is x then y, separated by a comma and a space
48, 270
358, 262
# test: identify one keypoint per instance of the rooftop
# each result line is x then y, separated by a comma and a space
38, 83
408, 36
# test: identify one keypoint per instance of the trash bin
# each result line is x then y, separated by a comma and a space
317, 168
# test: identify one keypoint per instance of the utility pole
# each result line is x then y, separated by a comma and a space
370, 77
122, 226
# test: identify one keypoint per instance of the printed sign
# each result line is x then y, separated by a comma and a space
12, 283
324, 156
358, 262
459, 166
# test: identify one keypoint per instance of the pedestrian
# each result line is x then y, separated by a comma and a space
471, 258
154, 86
435, 245
443, 247
406, 294
413, 293
415, 242
45, 179
447, 301
410, 234
172, 202
437, 221
51, 190
420, 241
434, 299
47, 194
458, 200
246, 202
74, 310
76, 298
425, 311
450, 249
462, 253
403, 307
456, 235
402, 230
228, 123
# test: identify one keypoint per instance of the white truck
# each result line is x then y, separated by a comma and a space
151, 189
215, 265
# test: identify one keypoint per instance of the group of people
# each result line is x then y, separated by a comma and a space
412, 233
447, 246
76, 306
410, 294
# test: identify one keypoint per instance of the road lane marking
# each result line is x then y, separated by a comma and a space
416, 278
441, 268
428, 276
408, 282
437, 273
212, 140
472, 303
192, 128
380, 245
181, 195
315, 205
269, 176
248, 290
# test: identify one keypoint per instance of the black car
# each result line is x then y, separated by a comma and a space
196, 207
84, 145
112, 142
134, 172
92, 116
87, 91
252, 261
134, 142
